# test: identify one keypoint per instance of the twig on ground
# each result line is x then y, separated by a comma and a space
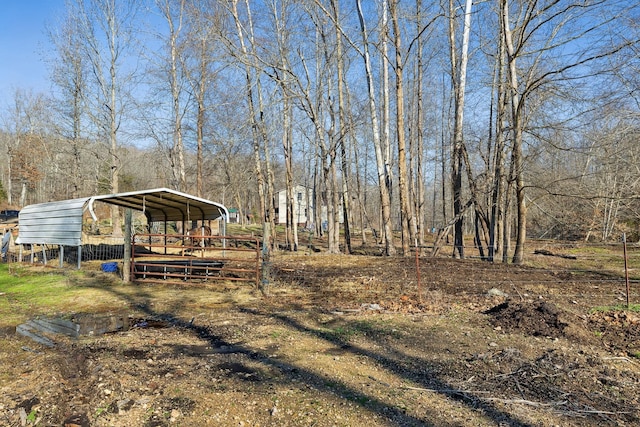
444, 390
593, 412
518, 292
525, 402
619, 358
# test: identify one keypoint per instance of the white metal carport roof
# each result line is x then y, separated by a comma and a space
162, 204
61, 222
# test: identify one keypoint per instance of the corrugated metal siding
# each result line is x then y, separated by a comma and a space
54, 223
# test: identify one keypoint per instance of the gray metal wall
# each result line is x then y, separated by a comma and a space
57, 223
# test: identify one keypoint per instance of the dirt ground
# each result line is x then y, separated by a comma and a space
345, 341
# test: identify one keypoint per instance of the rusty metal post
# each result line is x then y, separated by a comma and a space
418, 272
626, 266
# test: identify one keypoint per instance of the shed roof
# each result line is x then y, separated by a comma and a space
163, 204
61, 222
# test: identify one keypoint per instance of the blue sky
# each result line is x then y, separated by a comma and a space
23, 42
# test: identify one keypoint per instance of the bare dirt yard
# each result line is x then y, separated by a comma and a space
342, 341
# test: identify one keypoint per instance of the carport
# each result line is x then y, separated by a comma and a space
61, 222
163, 205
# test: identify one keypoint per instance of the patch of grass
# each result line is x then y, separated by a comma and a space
26, 292
101, 410
341, 333
619, 307
589, 250
377, 328
238, 230
278, 334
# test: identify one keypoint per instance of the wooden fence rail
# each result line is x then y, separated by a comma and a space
180, 258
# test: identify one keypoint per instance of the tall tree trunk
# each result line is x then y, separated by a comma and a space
407, 219
383, 171
521, 206
386, 106
261, 156
179, 172
496, 221
517, 111
459, 76
317, 195
342, 131
269, 175
113, 121
283, 78
507, 220
419, 193
201, 91
359, 190
287, 145
443, 155
271, 198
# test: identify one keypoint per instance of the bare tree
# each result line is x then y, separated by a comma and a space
517, 118
459, 78
253, 92
69, 75
107, 30
173, 13
417, 141
343, 127
406, 213
205, 21
497, 221
534, 38
28, 156
284, 77
317, 101
384, 179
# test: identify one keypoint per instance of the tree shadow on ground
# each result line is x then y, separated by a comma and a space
403, 366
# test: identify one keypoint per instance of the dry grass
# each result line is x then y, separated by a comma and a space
338, 340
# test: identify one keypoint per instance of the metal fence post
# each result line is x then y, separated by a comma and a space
626, 267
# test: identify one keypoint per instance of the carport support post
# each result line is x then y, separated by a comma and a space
126, 265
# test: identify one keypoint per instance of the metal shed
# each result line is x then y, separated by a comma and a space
60, 223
